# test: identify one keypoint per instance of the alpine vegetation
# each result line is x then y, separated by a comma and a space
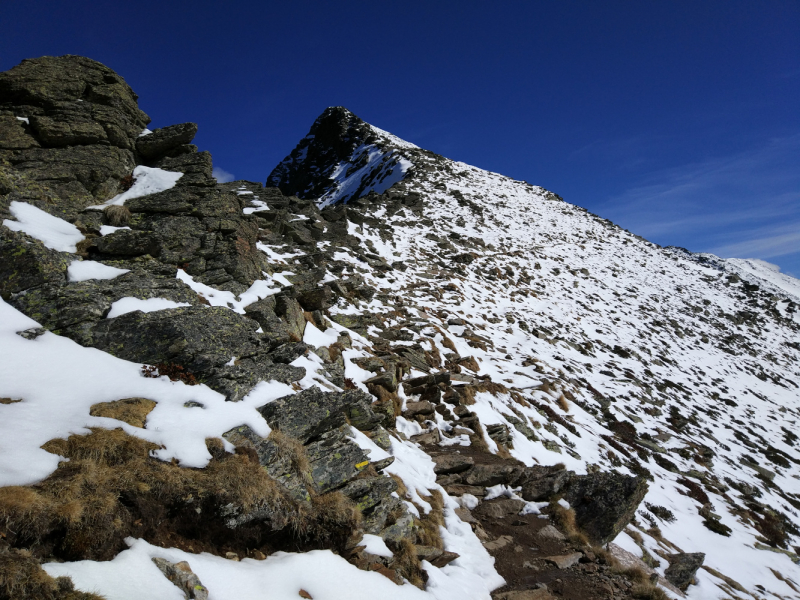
385, 374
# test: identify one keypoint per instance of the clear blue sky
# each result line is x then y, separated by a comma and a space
678, 120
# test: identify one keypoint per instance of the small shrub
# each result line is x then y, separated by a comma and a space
661, 512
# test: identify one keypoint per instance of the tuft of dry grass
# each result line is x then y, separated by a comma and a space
407, 564
111, 488
428, 533
132, 411
333, 518
22, 578
402, 490
564, 518
643, 587
117, 216
291, 450
563, 403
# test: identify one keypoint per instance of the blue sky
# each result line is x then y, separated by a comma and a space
678, 120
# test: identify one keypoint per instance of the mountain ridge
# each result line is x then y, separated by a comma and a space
437, 361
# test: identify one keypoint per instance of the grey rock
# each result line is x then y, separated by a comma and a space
161, 141
183, 577
565, 561
550, 533
500, 508
127, 243
604, 503
451, 463
492, 474
312, 412
335, 459
26, 263
682, 568
541, 483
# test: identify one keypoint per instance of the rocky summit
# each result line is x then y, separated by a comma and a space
385, 374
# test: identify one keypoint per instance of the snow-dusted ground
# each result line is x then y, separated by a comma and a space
551, 293
557, 293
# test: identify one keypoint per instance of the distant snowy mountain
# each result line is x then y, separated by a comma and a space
341, 158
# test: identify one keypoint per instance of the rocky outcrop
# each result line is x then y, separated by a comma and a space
70, 124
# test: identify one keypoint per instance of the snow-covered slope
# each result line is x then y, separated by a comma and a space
582, 344
676, 370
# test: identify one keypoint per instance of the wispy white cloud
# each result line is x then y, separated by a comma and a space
221, 175
747, 204
780, 241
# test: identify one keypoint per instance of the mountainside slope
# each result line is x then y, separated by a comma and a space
393, 383
676, 368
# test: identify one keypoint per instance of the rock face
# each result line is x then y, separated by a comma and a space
82, 124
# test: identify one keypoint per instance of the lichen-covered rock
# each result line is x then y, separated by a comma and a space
126, 243
335, 459
73, 309
541, 483
26, 263
274, 459
275, 330
604, 503
312, 412
82, 124
200, 339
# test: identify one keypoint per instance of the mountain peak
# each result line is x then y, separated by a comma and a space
341, 158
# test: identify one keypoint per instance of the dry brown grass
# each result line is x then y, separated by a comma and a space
22, 578
407, 564
563, 403
291, 450
564, 518
402, 490
117, 216
643, 588
133, 411
428, 533
467, 393
111, 488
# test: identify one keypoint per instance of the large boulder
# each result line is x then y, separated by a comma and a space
540, 483
604, 503
682, 568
